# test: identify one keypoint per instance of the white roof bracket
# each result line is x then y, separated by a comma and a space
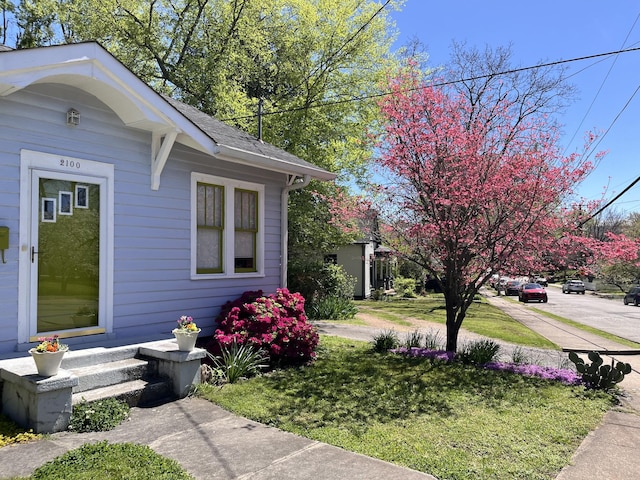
160, 149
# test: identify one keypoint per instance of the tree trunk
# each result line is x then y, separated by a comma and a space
452, 305
453, 328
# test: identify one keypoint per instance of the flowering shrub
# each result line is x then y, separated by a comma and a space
186, 323
275, 323
50, 344
565, 376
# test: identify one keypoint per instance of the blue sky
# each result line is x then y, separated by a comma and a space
547, 31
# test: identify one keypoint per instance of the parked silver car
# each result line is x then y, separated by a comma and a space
576, 286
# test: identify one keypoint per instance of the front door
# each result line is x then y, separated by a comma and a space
67, 248
65, 252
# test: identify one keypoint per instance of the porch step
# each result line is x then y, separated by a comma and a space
112, 373
135, 393
147, 373
95, 356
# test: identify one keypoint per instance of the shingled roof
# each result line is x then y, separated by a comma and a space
237, 140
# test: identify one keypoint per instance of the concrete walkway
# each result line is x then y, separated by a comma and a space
211, 443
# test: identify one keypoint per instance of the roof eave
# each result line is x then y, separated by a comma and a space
244, 157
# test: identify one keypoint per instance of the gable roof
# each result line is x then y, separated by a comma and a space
90, 67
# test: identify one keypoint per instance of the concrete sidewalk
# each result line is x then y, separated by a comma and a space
213, 444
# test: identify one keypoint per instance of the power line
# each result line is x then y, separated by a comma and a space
614, 121
604, 80
441, 84
609, 203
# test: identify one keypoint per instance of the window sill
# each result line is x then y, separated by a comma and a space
222, 276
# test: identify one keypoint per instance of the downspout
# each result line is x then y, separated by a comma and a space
364, 271
284, 222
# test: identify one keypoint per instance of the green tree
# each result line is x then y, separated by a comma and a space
624, 273
309, 62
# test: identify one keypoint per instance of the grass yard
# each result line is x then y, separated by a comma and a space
450, 420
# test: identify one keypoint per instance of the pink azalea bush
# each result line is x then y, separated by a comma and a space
276, 323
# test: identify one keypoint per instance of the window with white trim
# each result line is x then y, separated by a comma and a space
227, 226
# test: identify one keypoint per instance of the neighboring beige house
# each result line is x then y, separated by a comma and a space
367, 260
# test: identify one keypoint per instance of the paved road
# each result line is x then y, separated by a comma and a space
609, 315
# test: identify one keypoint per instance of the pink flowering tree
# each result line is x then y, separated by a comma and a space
275, 323
476, 176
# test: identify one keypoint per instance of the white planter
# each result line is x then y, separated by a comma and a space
47, 363
186, 340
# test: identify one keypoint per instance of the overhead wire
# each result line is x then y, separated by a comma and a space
604, 80
439, 84
609, 203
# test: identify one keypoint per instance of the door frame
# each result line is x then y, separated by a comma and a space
87, 169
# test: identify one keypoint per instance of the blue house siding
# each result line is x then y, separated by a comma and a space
152, 252
147, 280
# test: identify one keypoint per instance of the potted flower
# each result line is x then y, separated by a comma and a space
186, 333
48, 355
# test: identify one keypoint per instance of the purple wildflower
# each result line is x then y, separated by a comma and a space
425, 353
563, 375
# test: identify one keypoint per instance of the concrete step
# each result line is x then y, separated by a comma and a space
135, 392
94, 356
112, 373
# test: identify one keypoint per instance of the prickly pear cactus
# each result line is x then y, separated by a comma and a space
595, 375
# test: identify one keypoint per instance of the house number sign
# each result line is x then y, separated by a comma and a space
65, 162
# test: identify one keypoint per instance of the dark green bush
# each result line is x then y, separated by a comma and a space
319, 280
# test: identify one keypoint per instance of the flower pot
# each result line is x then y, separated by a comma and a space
186, 339
47, 363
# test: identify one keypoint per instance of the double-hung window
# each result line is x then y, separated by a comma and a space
227, 226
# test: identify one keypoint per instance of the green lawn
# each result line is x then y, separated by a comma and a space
449, 420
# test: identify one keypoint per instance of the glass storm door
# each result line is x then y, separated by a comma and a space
65, 252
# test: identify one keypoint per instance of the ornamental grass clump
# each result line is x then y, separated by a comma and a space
234, 363
276, 324
385, 341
